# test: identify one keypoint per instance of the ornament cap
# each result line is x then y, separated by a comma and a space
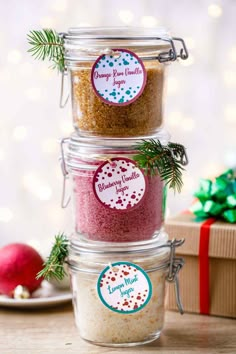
21, 292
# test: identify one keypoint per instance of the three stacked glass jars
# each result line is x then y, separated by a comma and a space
119, 255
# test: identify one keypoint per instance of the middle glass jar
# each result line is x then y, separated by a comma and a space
116, 78
113, 199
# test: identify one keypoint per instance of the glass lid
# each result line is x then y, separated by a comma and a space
117, 33
82, 245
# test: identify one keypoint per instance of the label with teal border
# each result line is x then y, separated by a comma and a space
124, 287
119, 78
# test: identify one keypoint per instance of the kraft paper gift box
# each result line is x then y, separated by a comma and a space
208, 278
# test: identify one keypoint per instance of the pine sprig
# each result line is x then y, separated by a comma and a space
47, 44
166, 160
53, 267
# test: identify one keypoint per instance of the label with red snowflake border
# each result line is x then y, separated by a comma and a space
124, 287
119, 184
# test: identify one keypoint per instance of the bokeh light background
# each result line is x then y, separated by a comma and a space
200, 109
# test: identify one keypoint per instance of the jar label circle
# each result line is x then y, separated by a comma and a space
124, 287
119, 184
119, 78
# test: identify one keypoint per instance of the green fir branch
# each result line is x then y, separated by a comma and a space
54, 265
47, 44
165, 160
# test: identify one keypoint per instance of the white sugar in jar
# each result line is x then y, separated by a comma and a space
119, 289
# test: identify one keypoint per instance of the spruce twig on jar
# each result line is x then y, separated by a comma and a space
54, 265
166, 160
47, 44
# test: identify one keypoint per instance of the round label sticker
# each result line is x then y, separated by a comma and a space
119, 184
124, 287
118, 79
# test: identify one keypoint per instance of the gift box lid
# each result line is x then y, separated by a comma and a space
222, 242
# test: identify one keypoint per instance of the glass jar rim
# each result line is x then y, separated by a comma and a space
157, 244
75, 141
87, 43
94, 149
117, 32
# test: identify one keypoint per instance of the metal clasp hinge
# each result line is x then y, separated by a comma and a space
173, 54
179, 153
175, 265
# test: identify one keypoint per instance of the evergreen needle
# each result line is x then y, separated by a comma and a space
47, 44
165, 160
53, 267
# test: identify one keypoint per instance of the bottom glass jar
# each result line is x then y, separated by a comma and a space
119, 289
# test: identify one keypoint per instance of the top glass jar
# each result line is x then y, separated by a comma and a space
116, 78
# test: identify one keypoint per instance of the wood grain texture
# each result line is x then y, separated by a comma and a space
53, 331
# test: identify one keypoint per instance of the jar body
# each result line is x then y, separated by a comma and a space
92, 116
96, 222
99, 324
134, 60
113, 199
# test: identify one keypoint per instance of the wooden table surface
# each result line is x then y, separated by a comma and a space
47, 331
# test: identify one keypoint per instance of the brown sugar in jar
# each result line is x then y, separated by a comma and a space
92, 116
95, 112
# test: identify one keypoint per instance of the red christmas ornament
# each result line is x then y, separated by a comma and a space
19, 265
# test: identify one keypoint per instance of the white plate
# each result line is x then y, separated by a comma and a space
47, 295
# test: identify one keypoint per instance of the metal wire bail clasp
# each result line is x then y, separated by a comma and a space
173, 52
175, 264
65, 175
63, 101
179, 153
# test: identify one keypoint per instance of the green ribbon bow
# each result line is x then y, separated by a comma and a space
217, 198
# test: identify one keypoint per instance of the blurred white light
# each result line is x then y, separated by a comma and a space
19, 133
172, 85
188, 184
47, 22
188, 61
59, 5
85, 24
230, 113
5, 74
214, 10
149, 21
126, 16
44, 192
2, 39
232, 54
230, 78
188, 124
5, 215
14, 56
35, 244
190, 42
66, 126
175, 118
211, 170
46, 73
30, 181
167, 213
58, 173
50, 146
55, 214
2, 154
230, 159
26, 69
33, 93
34, 185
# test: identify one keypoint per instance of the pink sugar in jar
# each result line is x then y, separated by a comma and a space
113, 200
